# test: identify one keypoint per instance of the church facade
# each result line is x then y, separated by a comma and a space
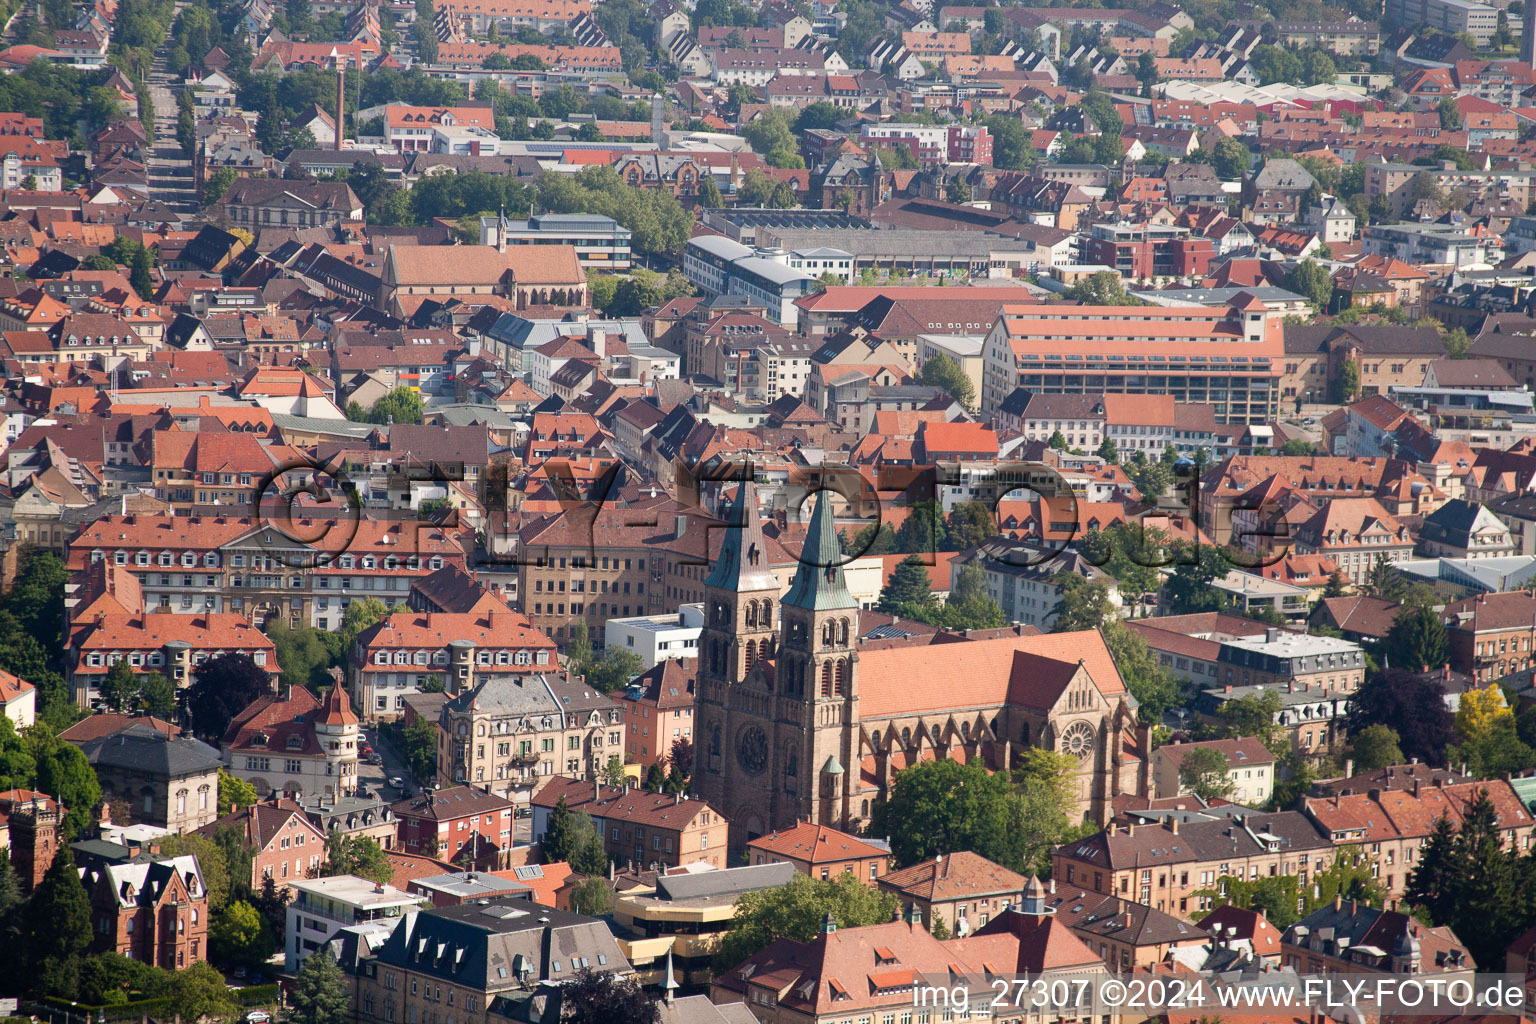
798, 719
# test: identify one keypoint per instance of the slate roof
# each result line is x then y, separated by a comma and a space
146, 750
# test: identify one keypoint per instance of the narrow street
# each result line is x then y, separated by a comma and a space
170, 172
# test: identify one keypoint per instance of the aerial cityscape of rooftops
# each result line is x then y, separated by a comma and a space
767, 511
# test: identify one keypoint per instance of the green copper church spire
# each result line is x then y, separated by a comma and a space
819, 583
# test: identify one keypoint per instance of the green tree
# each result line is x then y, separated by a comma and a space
1417, 641
1204, 772
1298, 446
970, 523
319, 993
217, 184
1256, 715
1155, 688
402, 405
64, 773
1230, 158
613, 772
592, 897
304, 659
1346, 385
1108, 451
140, 275
1104, 288
199, 992
1450, 113
239, 934
941, 371
909, 584
1473, 884
938, 806
234, 792
602, 996
571, 837
1012, 146
222, 687
356, 855
1311, 280
157, 696
1375, 747
58, 927
119, 687
1188, 588
709, 194
211, 860
797, 911
1456, 343
419, 740
1041, 810
1084, 604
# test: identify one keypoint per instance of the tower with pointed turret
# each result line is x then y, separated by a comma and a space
777, 681
818, 669
741, 597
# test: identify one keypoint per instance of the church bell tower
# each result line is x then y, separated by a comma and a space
818, 669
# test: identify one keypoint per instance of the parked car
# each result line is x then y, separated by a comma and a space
258, 1017
397, 782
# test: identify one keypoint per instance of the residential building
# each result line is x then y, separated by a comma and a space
31, 833
933, 145
18, 700
648, 831
167, 780
151, 909
1352, 937
173, 645
1026, 584
1165, 865
511, 733
354, 816
1148, 252
1491, 635
962, 889
254, 203
296, 745
237, 564
1124, 933
322, 907
658, 711
441, 823
283, 842
1250, 769
1465, 529
1227, 357
1355, 533
499, 952
395, 657
818, 851
1028, 939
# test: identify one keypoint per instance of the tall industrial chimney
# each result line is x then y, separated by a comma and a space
341, 103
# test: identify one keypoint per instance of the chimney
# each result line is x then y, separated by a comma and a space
1349, 767
1173, 825
341, 104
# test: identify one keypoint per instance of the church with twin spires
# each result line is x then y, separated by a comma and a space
799, 718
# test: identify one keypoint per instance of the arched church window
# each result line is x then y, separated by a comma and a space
826, 679
842, 677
